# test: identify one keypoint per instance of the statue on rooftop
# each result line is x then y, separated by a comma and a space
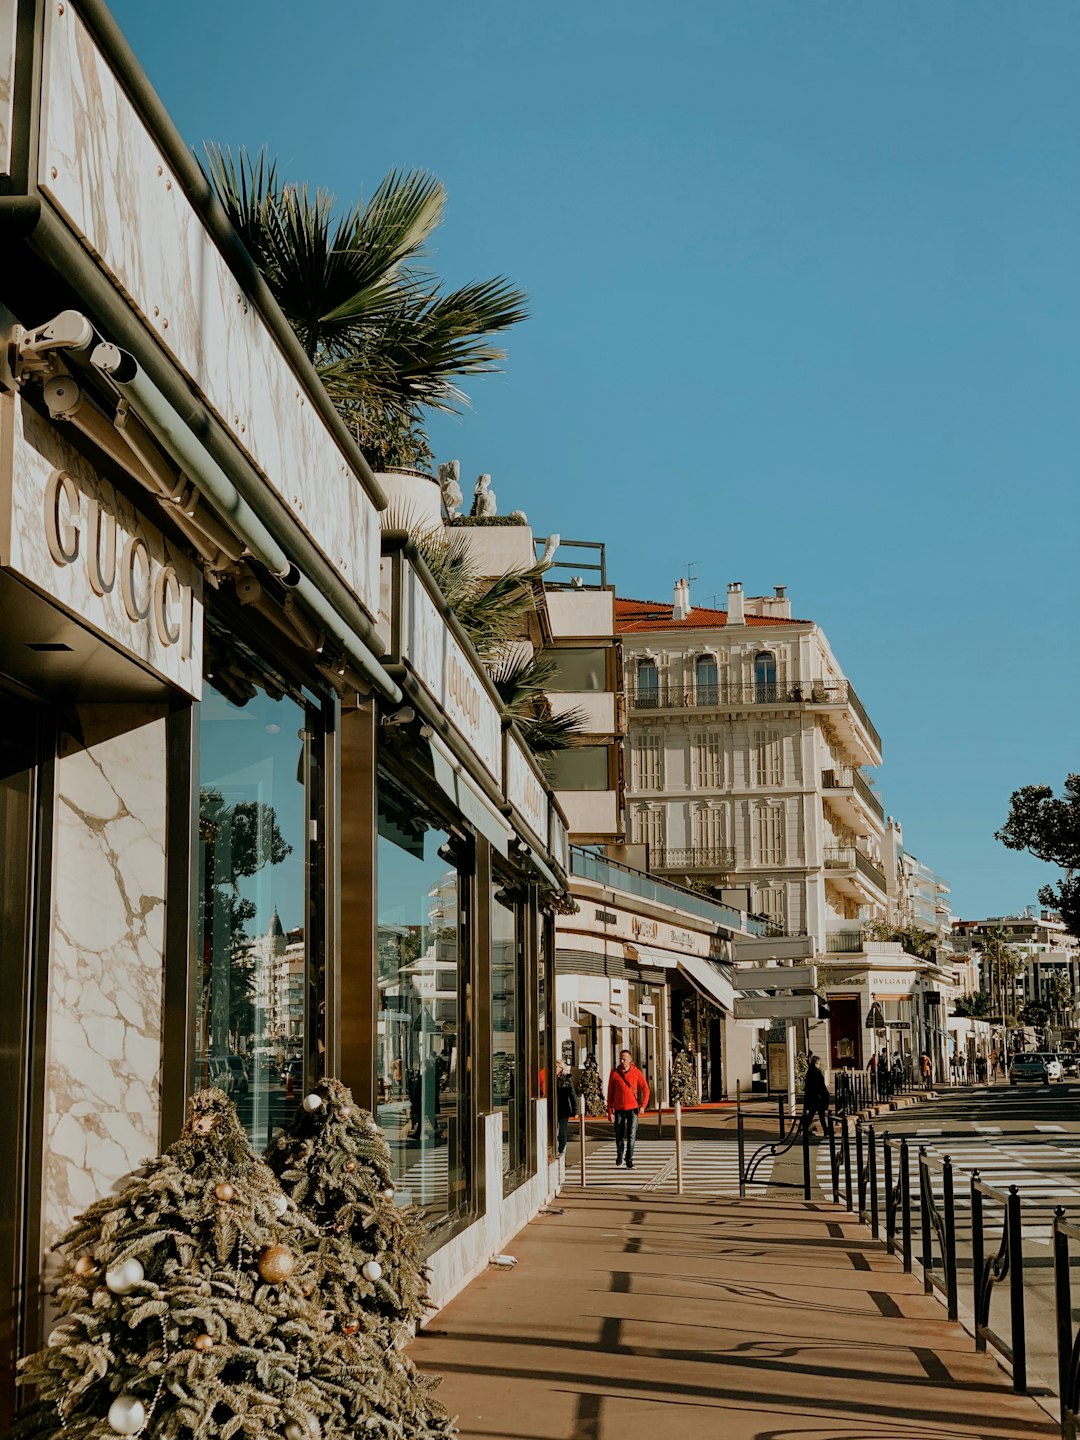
483, 504
449, 484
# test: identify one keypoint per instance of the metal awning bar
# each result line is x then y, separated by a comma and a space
469, 799
708, 982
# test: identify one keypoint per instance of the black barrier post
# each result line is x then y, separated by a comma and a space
873, 1184
858, 1170
782, 1127
741, 1143
834, 1163
950, 1240
924, 1215
1063, 1303
890, 1197
905, 1202
1016, 1292
806, 1160
978, 1260
845, 1146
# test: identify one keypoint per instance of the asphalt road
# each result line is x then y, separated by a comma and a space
1025, 1136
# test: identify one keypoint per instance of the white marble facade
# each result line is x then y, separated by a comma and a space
100, 166
7, 80
102, 1101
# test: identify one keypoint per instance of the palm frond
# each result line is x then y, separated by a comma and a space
521, 679
550, 734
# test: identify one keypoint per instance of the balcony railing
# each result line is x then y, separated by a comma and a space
844, 942
619, 877
847, 857
845, 778
696, 857
715, 697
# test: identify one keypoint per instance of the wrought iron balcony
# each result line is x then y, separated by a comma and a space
846, 778
713, 697
695, 857
844, 942
847, 857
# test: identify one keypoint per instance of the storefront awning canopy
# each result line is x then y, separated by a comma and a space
607, 1016
709, 981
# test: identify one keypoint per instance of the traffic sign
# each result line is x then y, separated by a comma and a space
775, 977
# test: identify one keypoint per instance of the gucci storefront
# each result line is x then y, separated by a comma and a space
261, 815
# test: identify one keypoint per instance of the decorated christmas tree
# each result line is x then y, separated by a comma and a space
592, 1088
190, 1307
684, 1086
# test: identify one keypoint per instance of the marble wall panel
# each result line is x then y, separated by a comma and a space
103, 1074
102, 169
7, 81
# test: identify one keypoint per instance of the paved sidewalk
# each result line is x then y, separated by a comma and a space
648, 1316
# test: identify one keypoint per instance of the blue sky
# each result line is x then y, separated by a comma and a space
805, 304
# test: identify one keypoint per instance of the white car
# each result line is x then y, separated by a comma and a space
1054, 1069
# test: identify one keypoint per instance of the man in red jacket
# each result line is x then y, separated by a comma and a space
627, 1096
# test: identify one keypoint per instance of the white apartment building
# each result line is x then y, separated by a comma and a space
748, 752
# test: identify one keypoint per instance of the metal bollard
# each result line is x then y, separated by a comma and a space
781, 1118
978, 1260
678, 1149
834, 1166
846, 1147
806, 1159
924, 1216
859, 1171
890, 1203
905, 1202
950, 1239
741, 1141
873, 1183
1063, 1300
1016, 1292
581, 1134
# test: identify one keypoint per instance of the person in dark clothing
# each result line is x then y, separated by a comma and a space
815, 1097
566, 1102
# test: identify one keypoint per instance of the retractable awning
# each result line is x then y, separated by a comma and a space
708, 981
469, 799
621, 1019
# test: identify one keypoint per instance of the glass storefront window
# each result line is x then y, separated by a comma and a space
425, 1005
252, 1011
509, 1087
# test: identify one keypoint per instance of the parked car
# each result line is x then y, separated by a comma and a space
239, 1070
1070, 1062
1054, 1068
214, 1071
1030, 1066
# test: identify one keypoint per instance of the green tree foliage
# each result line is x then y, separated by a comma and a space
1048, 827
975, 1006
684, 1087
387, 341
189, 1302
367, 1252
591, 1088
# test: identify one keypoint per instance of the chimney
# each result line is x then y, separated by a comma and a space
735, 615
681, 608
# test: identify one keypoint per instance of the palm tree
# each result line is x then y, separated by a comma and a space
387, 344
1061, 997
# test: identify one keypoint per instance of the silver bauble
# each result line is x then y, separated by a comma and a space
388, 1193
280, 1204
312, 1102
123, 1278
127, 1415
295, 1431
372, 1270
60, 1336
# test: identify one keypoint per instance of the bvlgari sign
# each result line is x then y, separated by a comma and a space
70, 534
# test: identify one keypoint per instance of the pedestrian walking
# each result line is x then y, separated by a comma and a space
927, 1071
815, 1098
566, 1105
627, 1096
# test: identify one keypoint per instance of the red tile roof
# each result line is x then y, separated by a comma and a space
639, 615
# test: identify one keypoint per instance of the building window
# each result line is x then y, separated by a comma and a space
647, 769
707, 829
577, 671
768, 758
508, 1079
257, 883
649, 828
708, 762
582, 767
425, 1003
705, 680
648, 685
772, 902
769, 824
765, 688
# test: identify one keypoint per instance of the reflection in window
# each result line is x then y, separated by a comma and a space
582, 767
424, 1049
508, 1080
577, 671
251, 982
705, 680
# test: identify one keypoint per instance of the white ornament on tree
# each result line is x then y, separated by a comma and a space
295, 1431
127, 1415
280, 1204
312, 1103
123, 1278
372, 1270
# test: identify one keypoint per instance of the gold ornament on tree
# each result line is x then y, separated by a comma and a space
225, 1192
203, 1342
85, 1266
276, 1264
